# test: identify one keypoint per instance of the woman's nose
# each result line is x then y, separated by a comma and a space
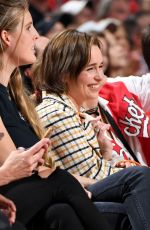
99, 74
36, 34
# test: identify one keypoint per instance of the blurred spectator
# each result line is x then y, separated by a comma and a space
132, 52
113, 9
66, 19
39, 10
118, 54
143, 19
133, 31
100, 26
118, 48
144, 5
49, 27
104, 50
146, 46
134, 34
81, 10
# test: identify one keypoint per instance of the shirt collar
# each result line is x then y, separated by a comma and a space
63, 99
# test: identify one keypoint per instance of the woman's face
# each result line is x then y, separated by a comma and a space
121, 38
22, 45
118, 57
89, 81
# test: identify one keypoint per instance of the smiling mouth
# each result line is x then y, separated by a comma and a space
94, 87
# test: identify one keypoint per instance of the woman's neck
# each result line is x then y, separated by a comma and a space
75, 102
5, 74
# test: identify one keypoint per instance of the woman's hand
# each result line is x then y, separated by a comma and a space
123, 165
22, 163
9, 208
127, 163
103, 140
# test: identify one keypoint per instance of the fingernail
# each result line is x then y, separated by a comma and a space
21, 149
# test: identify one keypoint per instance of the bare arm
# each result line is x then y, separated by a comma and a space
6, 143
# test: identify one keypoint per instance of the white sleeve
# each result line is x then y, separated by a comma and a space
139, 86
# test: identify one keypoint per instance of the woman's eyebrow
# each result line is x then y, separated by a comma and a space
94, 64
29, 23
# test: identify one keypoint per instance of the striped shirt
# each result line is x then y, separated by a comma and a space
74, 143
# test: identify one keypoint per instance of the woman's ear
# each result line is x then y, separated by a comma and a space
5, 36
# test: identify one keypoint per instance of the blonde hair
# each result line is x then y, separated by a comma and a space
10, 13
24, 103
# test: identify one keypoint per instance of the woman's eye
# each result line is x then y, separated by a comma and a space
29, 27
89, 69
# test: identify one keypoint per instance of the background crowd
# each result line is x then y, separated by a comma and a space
119, 23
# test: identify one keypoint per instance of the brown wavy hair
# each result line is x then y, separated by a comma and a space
65, 56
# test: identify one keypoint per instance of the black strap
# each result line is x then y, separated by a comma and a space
119, 133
